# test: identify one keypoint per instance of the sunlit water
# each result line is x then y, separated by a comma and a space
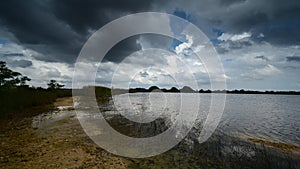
272, 117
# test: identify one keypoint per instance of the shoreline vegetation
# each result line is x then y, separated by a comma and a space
187, 89
20, 102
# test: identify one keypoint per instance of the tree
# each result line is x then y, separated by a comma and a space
23, 80
9, 78
174, 90
53, 85
153, 88
187, 89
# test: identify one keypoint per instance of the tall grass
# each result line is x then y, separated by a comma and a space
25, 101
19, 101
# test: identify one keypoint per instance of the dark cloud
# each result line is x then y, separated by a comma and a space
239, 44
35, 26
20, 63
13, 54
227, 3
144, 74
293, 58
220, 49
57, 29
135, 43
92, 14
277, 20
262, 58
122, 49
283, 26
231, 45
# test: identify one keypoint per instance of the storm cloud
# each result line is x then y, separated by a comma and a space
262, 57
58, 28
21, 63
293, 58
247, 34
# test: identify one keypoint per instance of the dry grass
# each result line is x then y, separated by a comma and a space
65, 101
280, 145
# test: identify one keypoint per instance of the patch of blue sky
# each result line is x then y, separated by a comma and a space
177, 27
215, 41
219, 32
3, 41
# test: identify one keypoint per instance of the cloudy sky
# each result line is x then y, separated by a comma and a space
258, 42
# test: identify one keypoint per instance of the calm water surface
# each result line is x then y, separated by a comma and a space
272, 117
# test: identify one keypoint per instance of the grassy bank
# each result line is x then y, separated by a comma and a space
24, 102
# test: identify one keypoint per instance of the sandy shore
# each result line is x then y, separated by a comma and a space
59, 144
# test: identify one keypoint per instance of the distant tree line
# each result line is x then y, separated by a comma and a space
187, 89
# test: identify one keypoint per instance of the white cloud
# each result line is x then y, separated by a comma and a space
248, 72
185, 45
261, 35
162, 68
269, 70
243, 69
262, 73
39, 71
234, 37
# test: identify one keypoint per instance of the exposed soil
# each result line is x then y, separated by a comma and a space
60, 144
283, 146
65, 101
